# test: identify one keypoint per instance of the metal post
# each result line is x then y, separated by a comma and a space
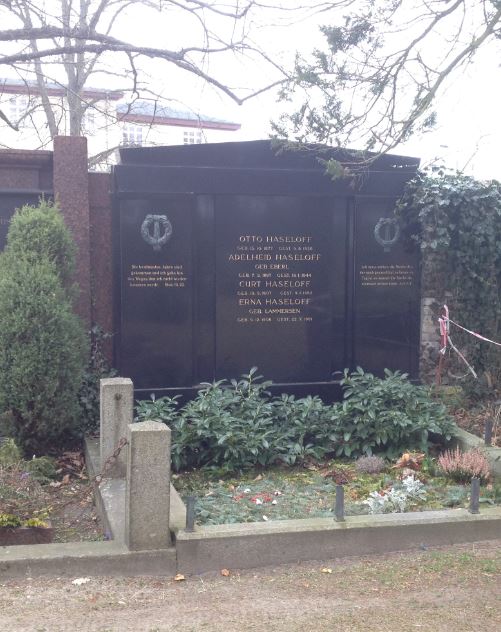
339, 508
488, 432
190, 513
475, 496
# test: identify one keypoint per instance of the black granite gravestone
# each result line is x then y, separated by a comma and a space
230, 256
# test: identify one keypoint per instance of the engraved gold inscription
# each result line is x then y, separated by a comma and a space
156, 276
385, 275
275, 278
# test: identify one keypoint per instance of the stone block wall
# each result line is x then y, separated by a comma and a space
433, 297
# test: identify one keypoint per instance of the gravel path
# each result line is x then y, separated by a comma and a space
449, 589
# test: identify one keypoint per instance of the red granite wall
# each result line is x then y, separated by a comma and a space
71, 189
101, 270
25, 170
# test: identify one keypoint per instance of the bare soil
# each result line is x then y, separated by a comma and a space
474, 420
452, 588
72, 512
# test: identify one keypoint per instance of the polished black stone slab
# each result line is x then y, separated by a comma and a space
274, 258
281, 268
156, 288
386, 292
9, 202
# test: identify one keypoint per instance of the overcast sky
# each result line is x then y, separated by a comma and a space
468, 132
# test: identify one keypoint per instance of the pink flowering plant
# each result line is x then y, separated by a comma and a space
463, 466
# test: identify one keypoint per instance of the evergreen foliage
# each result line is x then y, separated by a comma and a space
236, 426
459, 218
42, 342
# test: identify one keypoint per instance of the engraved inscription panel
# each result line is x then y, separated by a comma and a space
386, 305
273, 301
156, 318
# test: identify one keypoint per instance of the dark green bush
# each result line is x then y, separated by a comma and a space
387, 416
42, 343
41, 355
305, 428
39, 232
238, 425
97, 368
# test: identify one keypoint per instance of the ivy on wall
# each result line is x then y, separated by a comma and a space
457, 222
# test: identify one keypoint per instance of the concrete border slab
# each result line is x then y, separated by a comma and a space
110, 499
73, 559
287, 541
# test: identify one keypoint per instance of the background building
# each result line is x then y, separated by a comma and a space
108, 121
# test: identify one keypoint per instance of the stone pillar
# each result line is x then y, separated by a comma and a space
71, 190
116, 413
147, 494
433, 296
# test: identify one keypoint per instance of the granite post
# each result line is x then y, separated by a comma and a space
71, 190
147, 494
116, 413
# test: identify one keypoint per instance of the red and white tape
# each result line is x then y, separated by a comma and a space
446, 340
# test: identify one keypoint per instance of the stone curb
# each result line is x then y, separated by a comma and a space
246, 545
252, 545
74, 559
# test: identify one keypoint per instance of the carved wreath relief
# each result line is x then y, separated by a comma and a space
162, 231
387, 232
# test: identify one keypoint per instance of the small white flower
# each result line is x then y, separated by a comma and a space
80, 580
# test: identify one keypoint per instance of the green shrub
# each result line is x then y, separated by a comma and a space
9, 453
238, 425
39, 232
9, 520
305, 428
41, 355
387, 415
41, 469
227, 426
42, 343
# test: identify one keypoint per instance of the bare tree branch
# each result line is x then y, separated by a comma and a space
80, 36
384, 67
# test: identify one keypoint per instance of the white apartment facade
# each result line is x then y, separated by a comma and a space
108, 123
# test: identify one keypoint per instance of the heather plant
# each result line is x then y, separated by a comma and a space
370, 464
463, 466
